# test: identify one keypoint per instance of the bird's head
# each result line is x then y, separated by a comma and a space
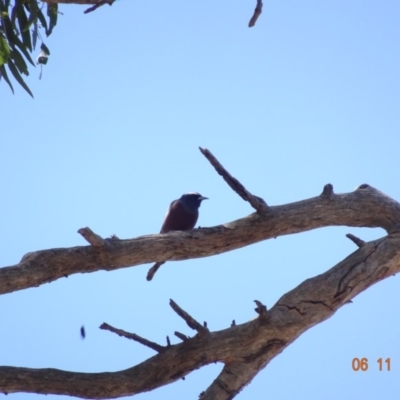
191, 201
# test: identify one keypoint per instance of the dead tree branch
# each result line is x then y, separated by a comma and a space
244, 349
257, 13
152, 345
256, 202
192, 323
364, 207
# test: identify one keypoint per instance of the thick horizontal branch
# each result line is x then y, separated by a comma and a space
244, 349
365, 207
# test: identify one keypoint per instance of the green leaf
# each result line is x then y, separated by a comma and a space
3, 74
19, 61
8, 29
33, 9
23, 22
13, 16
35, 34
17, 76
42, 19
18, 43
45, 49
4, 50
52, 13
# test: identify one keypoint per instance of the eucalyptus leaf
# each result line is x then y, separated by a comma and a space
45, 49
52, 13
33, 9
23, 23
17, 76
42, 19
19, 61
3, 74
4, 50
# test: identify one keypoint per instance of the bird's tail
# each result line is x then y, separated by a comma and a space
153, 270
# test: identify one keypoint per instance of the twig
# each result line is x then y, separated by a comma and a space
256, 202
360, 243
99, 4
261, 309
192, 323
91, 237
133, 336
181, 336
257, 13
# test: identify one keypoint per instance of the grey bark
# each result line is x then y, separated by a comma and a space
244, 349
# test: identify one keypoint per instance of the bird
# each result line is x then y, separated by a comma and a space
182, 215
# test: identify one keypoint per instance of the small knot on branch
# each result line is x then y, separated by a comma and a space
92, 238
363, 186
327, 192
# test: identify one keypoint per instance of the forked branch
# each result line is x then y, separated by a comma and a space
364, 207
244, 349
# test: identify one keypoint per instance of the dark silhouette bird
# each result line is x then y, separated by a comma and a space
182, 215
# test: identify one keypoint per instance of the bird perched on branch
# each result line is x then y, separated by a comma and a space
182, 215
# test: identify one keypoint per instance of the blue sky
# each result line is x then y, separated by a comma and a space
309, 96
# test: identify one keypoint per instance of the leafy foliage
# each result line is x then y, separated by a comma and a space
21, 24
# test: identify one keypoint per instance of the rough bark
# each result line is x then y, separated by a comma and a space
244, 349
365, 207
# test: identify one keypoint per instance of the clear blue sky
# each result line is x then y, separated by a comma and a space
309, 96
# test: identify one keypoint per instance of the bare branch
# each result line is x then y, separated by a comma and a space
155, 346
365, 207
82, 2
356, 240
256, 202
192, 323
99, 4
257, 13
245, 349
181, 336
261, 309
91, 237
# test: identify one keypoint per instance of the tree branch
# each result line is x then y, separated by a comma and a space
256, 202
365, 207
257, 13
244, 349
152, 345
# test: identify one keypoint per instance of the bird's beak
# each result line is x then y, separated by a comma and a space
203, 198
